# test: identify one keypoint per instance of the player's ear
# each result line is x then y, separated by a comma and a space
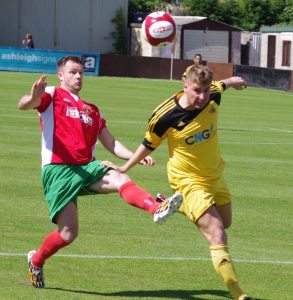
60, 75
185, 85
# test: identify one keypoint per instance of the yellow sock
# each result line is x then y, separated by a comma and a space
224, 267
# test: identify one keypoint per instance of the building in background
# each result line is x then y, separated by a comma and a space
250, 48
216, 41
67, 25
277, 47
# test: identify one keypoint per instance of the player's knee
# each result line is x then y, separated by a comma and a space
69, 235
120, 178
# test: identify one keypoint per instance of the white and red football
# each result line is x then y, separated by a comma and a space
159, 29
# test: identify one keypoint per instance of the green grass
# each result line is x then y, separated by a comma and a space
120, 253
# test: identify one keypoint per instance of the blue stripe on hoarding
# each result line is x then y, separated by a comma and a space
43, 61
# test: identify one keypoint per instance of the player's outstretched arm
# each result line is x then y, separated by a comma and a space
236, 82
34, 99
118, 149
141, 155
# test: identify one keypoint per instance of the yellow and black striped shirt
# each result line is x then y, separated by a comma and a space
192, 137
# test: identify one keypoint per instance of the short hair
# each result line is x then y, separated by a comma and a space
62, 62
199, 74
198, 54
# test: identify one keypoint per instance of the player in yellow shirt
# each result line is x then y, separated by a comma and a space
189, 121
197, 61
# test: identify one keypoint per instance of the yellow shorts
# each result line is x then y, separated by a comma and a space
198, 198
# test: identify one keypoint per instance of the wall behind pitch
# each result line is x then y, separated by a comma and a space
160, 68
154, 67
68, 25
265, 77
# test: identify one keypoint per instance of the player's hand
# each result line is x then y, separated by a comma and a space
107, 163
238, 83
147, 161
38, 87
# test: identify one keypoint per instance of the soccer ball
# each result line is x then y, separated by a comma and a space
159, 29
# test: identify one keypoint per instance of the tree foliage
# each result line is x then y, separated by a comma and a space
142, 5
245, 14
120, 33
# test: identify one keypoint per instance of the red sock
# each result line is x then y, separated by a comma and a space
51, 244
137, 197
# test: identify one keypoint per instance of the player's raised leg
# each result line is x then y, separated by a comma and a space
167, 208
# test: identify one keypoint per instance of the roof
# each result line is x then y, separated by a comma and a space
203, 23
179, 20
182, 20
277, 28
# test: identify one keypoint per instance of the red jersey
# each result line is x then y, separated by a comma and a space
70, 127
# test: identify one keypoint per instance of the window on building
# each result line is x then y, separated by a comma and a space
286, 53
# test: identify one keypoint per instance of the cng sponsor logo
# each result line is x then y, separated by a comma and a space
89, 63
200, 137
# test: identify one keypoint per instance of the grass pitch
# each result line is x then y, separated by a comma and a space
120, 253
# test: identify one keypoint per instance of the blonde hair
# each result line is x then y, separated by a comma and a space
199, 74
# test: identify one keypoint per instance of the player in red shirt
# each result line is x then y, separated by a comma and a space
71, 128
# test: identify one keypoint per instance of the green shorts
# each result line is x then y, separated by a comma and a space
64, 183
